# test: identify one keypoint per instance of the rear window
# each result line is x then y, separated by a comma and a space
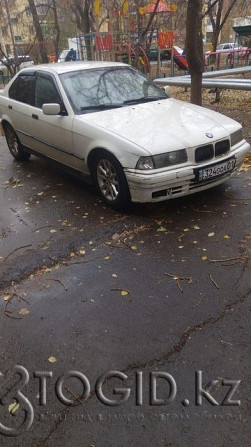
22, 89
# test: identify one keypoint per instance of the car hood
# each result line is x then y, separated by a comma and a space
164, 125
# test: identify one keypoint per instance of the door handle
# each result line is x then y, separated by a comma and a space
34, 116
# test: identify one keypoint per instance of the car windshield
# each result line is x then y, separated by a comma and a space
104, 88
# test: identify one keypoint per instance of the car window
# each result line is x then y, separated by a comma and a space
46, 91
22, 89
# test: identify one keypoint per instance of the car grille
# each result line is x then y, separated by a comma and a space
204, 153
221, 148
208, 151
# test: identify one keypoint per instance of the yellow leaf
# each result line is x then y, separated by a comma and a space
6, 297
133, 247
211, 234
13, 407
186, 229
124, 292
82, 251
107, 257
226, 236
53, 231
196, 227
52, 359
114, 275
24, 311
204, 258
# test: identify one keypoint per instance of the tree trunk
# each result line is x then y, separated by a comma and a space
57, 29
194, 48
39, 33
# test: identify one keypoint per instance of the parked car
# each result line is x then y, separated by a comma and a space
227, 54
109, 121
23, 62
227, 46
165, 54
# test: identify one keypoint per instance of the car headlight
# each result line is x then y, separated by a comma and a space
162, 160
236, 136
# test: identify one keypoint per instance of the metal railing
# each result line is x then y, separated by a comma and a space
216, 83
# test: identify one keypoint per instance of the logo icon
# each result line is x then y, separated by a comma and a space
9, 393
209, 135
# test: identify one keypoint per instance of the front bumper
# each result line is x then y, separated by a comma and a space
150, 186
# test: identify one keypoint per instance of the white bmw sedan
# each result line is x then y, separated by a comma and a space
108, 121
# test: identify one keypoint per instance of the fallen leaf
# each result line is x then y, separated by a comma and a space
53, 231
204, 258
13, 407
133, 247
24, 311
52, 359
82, 251
196, 227
211, 234
124, 292
107, 257
226, 236
186, 229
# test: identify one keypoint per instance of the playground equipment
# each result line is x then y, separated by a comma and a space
152, 56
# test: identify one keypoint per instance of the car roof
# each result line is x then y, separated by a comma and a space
67, 67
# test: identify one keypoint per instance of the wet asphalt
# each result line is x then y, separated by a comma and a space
160, 288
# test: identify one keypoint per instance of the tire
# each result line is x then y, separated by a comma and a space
110, 180
15, 147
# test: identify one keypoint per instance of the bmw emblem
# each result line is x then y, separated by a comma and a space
209, 135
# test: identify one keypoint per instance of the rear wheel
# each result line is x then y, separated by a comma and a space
15, 147
110, 180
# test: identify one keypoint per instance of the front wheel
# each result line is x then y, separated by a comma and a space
111, 181
15, 147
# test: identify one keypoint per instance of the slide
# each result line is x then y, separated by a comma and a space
179, 58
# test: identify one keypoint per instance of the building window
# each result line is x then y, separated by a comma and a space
18, 38
14, 20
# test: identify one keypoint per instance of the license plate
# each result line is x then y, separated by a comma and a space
216, 170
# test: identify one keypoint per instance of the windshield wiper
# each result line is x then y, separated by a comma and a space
101, 107
142, 100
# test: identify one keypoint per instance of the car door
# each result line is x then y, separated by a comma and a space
52, 134
18, 106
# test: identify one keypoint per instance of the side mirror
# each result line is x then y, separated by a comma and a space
51, 109
167, 90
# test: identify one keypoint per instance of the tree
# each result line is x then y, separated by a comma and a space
38, 29
218, 16
194, 48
